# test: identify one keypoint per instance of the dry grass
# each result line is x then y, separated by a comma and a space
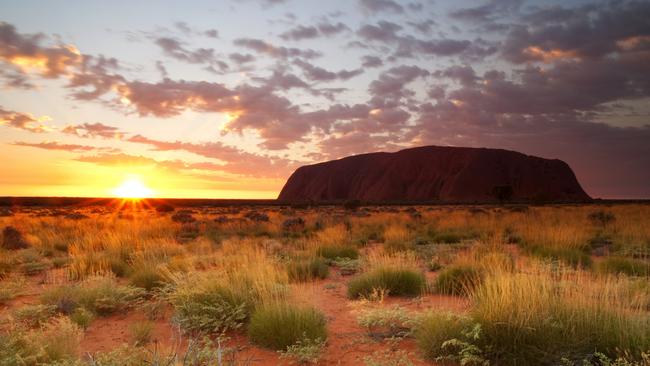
538, 300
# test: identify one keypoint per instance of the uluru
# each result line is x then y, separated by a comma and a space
436, 174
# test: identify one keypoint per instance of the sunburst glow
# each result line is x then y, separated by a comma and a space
133, 188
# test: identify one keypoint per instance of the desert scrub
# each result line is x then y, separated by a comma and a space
549, 314
434, 329
396, 281
389, 357
279, 324
141, 332
382, 323
628, 266
203, 305
31, 316
333, 252
305, 351
99, 295
571, 256
458, 280
56, 343
302, 270
10, 287
147, 277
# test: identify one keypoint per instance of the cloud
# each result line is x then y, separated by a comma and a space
378, 6
268, 49
324, 28
391, 83
24, 53
175, 49
371, 61
235, 161
93, 130
586, 32
316, 73
23, 121
54, 145
407, 46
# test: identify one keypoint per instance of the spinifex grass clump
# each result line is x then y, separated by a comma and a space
393, 280
338, 251
460, 279
543, 316
279, 324
99, 295
628, 266
224, 298
301, 270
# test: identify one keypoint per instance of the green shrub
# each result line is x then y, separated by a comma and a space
279, 325
306, 270
630, 267
458, 280
396, 281
338, 251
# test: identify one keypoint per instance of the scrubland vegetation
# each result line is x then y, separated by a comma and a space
484, 285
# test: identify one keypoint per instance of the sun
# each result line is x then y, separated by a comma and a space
132, 188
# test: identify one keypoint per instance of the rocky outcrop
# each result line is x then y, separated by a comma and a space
435, 173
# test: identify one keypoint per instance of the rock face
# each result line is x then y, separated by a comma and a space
435, 173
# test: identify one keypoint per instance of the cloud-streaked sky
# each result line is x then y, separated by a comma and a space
225, 99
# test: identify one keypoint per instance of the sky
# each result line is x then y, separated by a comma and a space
225, 99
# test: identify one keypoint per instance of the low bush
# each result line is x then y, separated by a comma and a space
458, 280
304, 351
395, 281
332, 252
630, 267
381, 323
307, 269
279, 325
